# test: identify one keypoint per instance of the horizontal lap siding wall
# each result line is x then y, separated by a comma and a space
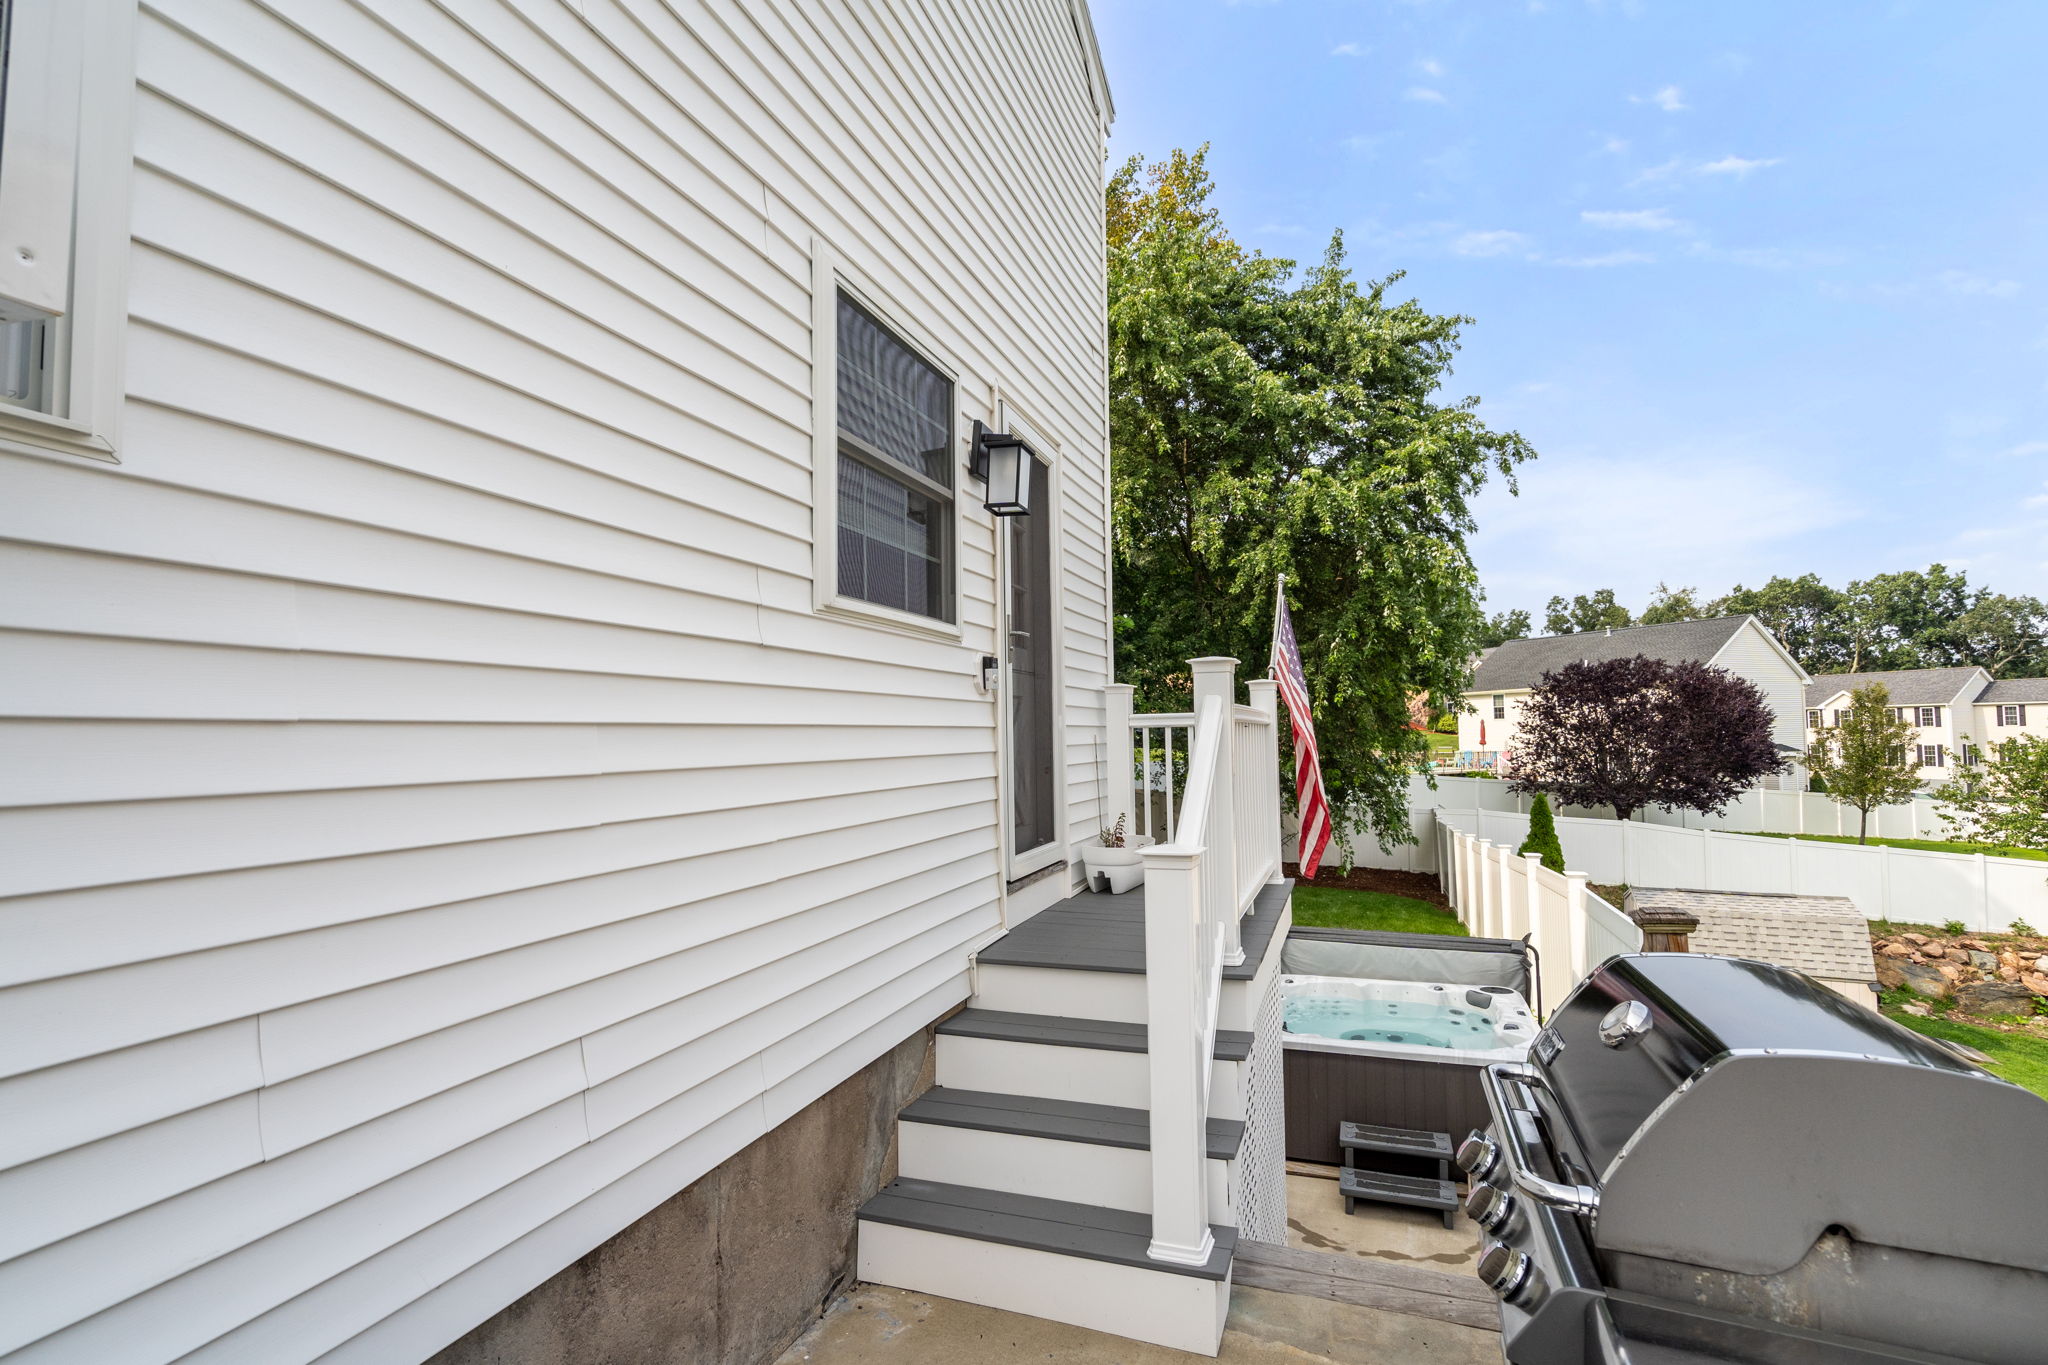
437, 827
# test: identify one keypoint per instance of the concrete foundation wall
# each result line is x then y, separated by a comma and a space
732, 1269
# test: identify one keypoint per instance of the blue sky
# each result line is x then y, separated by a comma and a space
1764, 281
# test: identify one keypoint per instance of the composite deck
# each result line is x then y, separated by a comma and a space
1091, 932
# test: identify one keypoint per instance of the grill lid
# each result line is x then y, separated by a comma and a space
1758, 1109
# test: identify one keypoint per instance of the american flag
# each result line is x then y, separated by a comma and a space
1310, 798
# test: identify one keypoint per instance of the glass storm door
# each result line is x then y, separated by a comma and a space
1030, 693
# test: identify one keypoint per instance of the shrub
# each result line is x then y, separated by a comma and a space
1543, 835
1447, 723
1954, 928
2022, 928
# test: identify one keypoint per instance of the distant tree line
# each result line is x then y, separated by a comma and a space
1912, 619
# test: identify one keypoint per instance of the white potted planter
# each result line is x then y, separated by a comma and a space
1114, 867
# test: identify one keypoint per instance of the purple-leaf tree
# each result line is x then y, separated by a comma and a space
1637, 732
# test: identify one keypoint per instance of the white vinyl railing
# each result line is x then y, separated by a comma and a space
1498, 893
1219, 843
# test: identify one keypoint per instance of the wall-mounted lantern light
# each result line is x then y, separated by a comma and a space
1003, 464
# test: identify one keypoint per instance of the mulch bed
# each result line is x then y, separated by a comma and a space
1421, 886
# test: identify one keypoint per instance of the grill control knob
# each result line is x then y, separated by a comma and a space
1477, 1155
1504, 1269
1489, 1207
1630, 1019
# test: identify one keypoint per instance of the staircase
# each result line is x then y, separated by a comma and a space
1106, 1119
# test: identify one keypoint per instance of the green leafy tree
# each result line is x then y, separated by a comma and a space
1862, 762
1674, 604
1264, 420
1503, 627
2003, 799
1543, 835
1598, 612
1809, 618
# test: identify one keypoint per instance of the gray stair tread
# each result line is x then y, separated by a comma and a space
1398, 1189
1022, 1220
1106, 1125
1102, 933
1372, 1137
1110, 1035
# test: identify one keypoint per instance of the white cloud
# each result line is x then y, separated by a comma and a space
2024, 450
1364, 144
1657, 174
1422, 94
1348, 50
1430, 66
1609, 259
1966, 282
1669, 98
1499, 242
1737, 166
1693, 514
1615, 146
1630, 220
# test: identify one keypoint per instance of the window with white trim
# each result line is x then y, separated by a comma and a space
1500, 706
2012, 715
1969, 757
1813, 720
1927, 716
66, 82
895, 471
1841, 719
1930, 755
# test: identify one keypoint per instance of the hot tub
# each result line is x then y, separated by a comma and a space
1405, 1054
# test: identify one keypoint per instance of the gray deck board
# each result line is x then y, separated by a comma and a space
1107, 1035
1104, 933
1105, 1125
1021, 1220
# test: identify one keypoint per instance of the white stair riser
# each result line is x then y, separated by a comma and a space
1118, 996
1090, 1075
1184, 1312
1079, 1172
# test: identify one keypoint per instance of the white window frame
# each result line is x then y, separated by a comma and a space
2005, 710
1008, 417
1930, 756
830, 276
1927, 717
1500, 706
64, 190
1813, 718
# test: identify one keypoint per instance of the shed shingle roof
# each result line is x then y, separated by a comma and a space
1823, 936
1907, 686
1522, 663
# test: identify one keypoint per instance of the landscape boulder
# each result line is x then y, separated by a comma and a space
1984, 962
1918, 977
1988, 999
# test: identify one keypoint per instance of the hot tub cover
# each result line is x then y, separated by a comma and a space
1431, 958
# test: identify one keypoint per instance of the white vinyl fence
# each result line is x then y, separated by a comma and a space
1763, 811
1498, 893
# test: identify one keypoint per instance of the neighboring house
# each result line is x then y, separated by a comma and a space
495, 611
1508, 673
1825, 937
1954, 712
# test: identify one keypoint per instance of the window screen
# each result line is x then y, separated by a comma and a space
895, 471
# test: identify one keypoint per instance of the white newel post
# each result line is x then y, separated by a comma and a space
1174, 1001
1575, 927
1120, 800
1505, 868
1489, 890
1265, 694
1532, 897
1216, 676
1468, 889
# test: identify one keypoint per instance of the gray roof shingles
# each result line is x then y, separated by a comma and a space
2010, 690
1907, 686
1824, 936
1522, 663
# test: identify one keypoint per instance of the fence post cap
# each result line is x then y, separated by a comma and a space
1578, 876
1213, 663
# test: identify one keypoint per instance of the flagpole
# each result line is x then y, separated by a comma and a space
1279, 600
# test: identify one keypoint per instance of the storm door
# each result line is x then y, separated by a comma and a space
1029, 697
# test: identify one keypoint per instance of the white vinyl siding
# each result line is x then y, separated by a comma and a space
438, 823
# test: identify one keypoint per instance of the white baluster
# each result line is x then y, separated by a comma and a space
1216, 680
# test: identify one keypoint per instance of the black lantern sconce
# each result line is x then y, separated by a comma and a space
1003, 464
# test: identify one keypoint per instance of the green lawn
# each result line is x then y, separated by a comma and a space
2018, 1057
1330, 907
1924, 845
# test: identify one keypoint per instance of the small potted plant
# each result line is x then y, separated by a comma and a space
1112, 859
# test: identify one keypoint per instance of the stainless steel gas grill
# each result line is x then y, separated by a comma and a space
1707, 1159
